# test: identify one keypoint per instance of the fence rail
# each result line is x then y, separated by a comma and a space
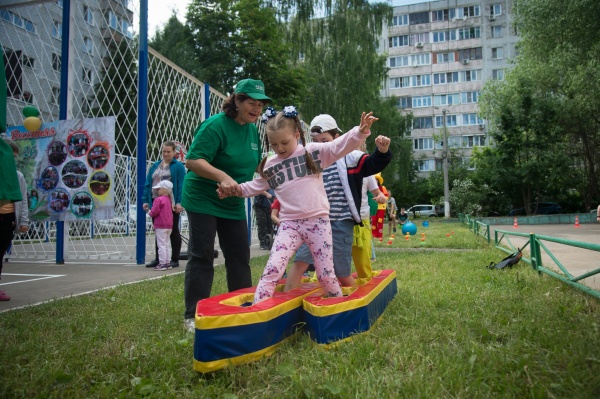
540, 256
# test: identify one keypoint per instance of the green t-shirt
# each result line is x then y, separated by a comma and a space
9, 190
230, 147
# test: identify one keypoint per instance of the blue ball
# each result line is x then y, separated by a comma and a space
410, 228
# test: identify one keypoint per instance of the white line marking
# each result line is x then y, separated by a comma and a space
42, 277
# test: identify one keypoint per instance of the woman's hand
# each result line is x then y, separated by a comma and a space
178, 208
23, 229
225, 190
145, 207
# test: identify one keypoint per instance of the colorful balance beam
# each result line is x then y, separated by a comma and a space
330, 320
229, 331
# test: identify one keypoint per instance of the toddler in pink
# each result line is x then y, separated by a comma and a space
162, 217
295, 174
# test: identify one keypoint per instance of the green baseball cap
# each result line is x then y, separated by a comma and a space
252, 88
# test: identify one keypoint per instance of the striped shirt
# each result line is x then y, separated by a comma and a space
338, 203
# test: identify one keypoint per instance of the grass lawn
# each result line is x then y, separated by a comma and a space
454, 330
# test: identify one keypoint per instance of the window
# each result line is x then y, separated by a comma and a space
454, 141
446, 99
88, 15
404, 102
419, 38
471, 11
56, 62
471, 119
443, 58
498, 74
425, 165
443, 78
86, 75
444, 36
469, 33
495, 10
470, 54
398, 41
439, 15
424, 144
55, 96
57, 30
421, 101
470, 76
88, 45
497, 53
399, 20
421, 80
419, 18
59, 3
112, 20
450, 120
27, 61
422, 122
17, 20
420, 59
497, 31
400, 61
469, 97
397, 83
14, 73
474, 141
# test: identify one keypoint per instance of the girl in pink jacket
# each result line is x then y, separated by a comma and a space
162, 217
294, 172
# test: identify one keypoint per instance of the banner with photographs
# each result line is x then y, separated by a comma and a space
69, 168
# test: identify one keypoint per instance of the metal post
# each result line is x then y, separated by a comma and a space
445, 166
142, 122
64, 106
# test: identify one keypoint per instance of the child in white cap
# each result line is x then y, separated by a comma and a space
162, 217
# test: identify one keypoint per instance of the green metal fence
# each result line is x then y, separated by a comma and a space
537, 249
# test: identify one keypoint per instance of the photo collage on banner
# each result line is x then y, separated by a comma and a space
69, 168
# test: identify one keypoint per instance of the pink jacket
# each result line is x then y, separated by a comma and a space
162, 212
301, 193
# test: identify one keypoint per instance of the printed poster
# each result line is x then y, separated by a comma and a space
69, 168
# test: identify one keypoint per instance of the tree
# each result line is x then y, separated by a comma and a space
116, 94
528, 142
239, 39
175, 42
560, 52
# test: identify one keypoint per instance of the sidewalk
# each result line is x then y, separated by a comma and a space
34, 282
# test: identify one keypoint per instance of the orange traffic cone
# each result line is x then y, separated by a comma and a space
576, 221
515, 224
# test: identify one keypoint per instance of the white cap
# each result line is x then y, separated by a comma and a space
164, 184
325, 122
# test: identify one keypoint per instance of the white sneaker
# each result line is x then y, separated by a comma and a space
189, 325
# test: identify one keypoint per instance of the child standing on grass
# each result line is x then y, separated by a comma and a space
162, 217
295, 173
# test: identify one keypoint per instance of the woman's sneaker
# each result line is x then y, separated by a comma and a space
162, 267
4, 296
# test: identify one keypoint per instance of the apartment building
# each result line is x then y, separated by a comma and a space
440, 54
31, 37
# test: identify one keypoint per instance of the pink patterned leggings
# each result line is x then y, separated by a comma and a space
316, 232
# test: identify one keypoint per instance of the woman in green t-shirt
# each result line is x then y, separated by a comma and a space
226, 150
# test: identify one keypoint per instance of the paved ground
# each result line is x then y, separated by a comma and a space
36, 282
577, 261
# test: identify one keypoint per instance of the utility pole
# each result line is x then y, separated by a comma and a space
445, 167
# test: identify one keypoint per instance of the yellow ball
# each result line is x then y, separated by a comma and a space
32, 123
